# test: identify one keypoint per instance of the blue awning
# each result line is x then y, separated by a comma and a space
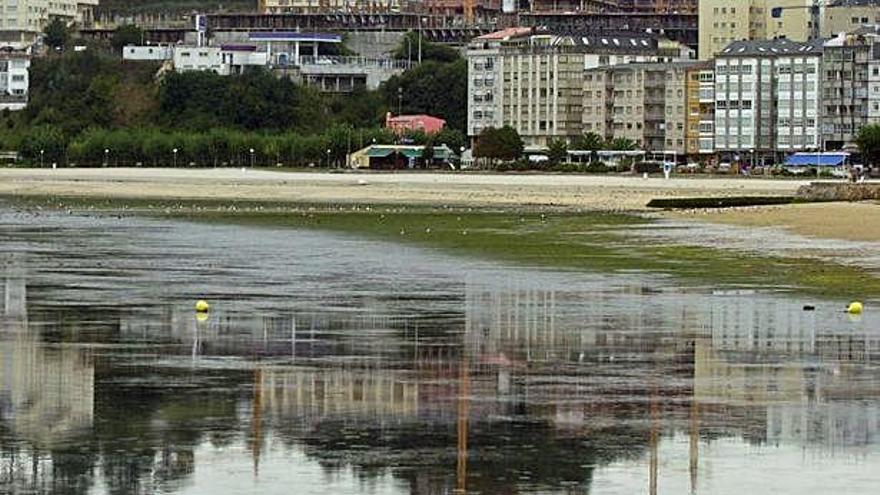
816, 159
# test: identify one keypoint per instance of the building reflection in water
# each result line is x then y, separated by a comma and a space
532, 386
46, 392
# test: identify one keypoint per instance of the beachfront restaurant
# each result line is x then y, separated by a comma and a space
400, 157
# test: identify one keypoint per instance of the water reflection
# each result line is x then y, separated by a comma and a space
475, 379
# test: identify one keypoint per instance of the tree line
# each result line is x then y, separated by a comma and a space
155, 147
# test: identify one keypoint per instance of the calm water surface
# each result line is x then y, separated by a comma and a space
334, 364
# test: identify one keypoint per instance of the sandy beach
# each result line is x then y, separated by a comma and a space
613, 193
848, 221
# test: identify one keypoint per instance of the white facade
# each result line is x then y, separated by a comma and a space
14, 81
199, 58
706, 129
797, 102
766, 99
216, 59
148, 53
874, 91
483, 87
22, 21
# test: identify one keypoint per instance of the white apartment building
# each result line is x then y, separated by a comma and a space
766, 99
222, 60
14, 80
22, 21
484, 83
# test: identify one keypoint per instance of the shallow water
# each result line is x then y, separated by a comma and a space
335, 364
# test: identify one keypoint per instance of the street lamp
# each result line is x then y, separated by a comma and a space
41, 157
328, 157
106, 156
252, 158
752, 166
175, 157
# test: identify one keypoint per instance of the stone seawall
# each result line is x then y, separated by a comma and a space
838, 191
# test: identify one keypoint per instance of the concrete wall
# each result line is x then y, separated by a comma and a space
374, 44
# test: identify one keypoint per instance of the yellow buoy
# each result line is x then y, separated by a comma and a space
202, 306
855, 308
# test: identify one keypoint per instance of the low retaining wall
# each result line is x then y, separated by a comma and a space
837, 191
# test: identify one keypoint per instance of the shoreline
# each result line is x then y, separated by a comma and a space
594, 192
421, 209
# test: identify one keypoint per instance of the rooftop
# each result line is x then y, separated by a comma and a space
764, 48
504, 34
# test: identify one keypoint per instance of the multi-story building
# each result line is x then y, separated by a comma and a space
850, 87
14, 80
22, 21
844, 16
700, 129
722, 22
534, 81
643, 102
766, 101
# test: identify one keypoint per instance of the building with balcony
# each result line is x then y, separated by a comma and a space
533, 80
646, 103
844, 16
700, 130
23, 21
14, 80
766, 99
850, 82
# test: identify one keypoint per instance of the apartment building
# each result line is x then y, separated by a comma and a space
646, 103
722, 22
844, 16
850, 82
22, 21
700, 130
534, 81
14, 80
766, 101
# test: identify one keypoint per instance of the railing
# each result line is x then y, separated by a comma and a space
329, 61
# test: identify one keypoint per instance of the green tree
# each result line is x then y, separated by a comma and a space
56, 34
868, 141
621, 144
453, 138
588, 142
126, 34
558, 151
46, 142
499, 144
433, 88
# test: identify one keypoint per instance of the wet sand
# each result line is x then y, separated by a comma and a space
847, 221
615, 193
